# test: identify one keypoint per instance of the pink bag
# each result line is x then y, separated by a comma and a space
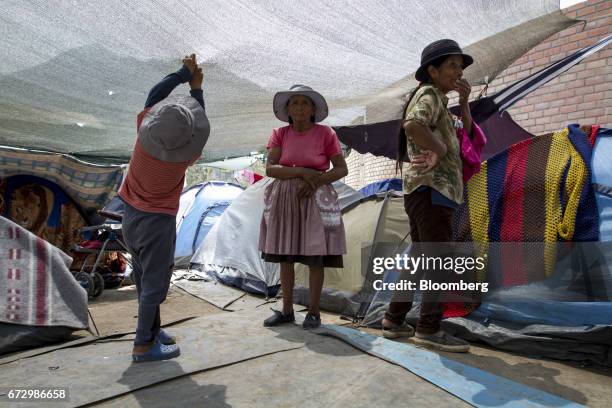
471, 150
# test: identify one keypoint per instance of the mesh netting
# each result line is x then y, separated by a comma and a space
74, 75
539, 190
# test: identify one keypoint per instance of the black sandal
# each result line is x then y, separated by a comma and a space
312, 321
279, 318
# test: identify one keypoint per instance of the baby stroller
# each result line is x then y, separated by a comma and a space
100, 240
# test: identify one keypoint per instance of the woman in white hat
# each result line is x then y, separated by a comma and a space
302, 220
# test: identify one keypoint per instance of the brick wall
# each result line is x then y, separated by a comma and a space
366, 168
582, 94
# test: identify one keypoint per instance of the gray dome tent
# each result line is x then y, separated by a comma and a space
230, 252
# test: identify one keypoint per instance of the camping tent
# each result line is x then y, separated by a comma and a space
382, 186
230, 251
602, 179
200, 208
41, 304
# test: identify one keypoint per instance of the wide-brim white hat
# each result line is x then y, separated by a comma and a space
281, 98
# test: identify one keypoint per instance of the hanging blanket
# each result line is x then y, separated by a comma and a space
537, 190
36, 287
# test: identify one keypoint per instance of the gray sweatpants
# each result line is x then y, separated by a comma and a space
151, 241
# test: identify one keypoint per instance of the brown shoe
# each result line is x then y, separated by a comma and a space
442, 341
403, 330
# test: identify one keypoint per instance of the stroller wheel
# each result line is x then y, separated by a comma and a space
98, 284
86, 281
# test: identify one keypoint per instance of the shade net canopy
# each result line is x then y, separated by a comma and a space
74, 74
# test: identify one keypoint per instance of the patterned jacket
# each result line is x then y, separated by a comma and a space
429, 108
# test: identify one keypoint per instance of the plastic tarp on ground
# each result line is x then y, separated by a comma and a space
74, 75
223, 356
41, 301
200, 208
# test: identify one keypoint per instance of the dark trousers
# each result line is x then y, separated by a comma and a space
428, 223
151, 241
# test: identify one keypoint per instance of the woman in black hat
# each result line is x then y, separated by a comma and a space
302, 221
432, 181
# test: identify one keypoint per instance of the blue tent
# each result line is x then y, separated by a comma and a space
382, 186
201, 206
602, 180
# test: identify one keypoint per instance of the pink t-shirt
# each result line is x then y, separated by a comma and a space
311, 149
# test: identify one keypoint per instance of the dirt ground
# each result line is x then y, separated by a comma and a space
115, 311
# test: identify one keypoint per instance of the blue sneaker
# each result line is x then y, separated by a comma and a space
158, 352
165, 338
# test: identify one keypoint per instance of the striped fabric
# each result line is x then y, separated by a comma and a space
90, 185
538, 190
36, 287
152, 185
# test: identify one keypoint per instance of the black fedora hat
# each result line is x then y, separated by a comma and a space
437, 49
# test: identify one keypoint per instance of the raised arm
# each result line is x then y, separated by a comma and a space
165, 87
463, 88
196, 86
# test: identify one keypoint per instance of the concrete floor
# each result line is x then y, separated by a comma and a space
115, 311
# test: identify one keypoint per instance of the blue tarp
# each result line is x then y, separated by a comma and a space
477, 387
382, 187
